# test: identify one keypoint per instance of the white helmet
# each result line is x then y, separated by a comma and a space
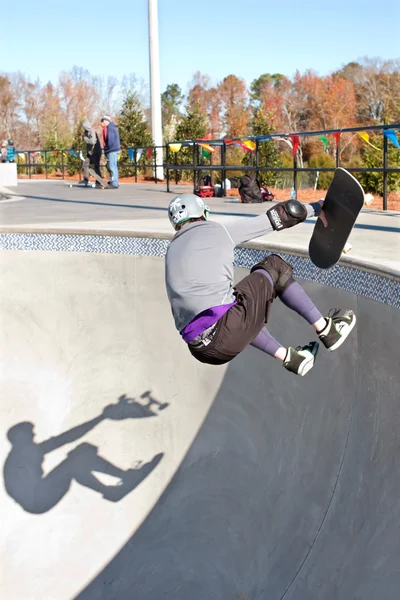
185, 207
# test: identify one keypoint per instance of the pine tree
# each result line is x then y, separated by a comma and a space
268, 153
192, 127
133, 128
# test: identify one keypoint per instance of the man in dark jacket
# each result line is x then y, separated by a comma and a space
111, 148
93, 152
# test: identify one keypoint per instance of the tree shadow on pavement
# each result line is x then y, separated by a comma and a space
37, 493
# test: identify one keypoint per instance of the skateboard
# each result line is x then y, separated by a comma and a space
101, 181
343, 202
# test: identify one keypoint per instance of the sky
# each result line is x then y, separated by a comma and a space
217, 37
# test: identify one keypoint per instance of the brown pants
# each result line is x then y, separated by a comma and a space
241, 324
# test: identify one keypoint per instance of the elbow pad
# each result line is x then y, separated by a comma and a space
286, 214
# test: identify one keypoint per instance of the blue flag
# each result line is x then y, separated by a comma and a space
73, 153
130, 152
391, 135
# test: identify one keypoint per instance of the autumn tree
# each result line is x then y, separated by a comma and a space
377, 89
234, 103
208, 97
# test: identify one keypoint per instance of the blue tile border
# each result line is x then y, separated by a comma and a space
363, 283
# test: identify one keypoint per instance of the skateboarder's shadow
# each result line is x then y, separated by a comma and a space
37, 493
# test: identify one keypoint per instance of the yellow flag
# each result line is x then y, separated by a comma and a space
365, 136
175, 147
250, 144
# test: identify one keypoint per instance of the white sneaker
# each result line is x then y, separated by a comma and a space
337, 328
301, 360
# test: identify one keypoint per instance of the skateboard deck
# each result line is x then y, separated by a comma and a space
343, 202
102, 181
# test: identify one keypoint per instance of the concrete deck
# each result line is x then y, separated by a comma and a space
141, 209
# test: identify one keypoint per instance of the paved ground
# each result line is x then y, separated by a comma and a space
54, 206
202, 482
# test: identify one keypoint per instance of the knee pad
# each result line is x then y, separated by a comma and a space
279, 270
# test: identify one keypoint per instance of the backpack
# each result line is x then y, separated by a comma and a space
249, 189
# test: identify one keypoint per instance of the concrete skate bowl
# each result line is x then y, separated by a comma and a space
130, 471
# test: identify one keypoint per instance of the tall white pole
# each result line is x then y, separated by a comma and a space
155, 91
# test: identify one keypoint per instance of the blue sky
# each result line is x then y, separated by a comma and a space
217, 37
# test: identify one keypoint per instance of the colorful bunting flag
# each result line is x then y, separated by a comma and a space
365, 136
246, 145
263, 138
296, 143
391, 135
325, 141
337, 137
207, 147
81, 155
175, 147
72, 153
139, 153
149, 153
205, 153
250, 145
130, 154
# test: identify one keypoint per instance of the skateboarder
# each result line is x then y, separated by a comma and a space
93, 153
218, 319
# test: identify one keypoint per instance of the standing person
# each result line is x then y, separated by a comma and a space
10, 152
93, 152
4, 151
218, 319
112, 147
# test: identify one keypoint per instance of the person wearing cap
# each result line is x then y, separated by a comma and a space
218, 319
112, 147
93, 152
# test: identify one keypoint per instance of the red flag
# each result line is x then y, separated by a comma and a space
149, 153
337, 137
296, 143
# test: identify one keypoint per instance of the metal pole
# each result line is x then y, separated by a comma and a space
194, 166
385, 173
257, 159
135, 165
224, 169
338, 153
295, 173
155, 92
167, 164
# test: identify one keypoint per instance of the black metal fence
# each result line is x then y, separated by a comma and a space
143, 160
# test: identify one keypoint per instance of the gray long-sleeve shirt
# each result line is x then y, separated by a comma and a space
199, 263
